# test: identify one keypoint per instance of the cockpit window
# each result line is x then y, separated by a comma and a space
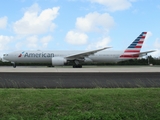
5, 54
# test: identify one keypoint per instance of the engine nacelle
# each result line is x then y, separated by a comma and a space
58, 61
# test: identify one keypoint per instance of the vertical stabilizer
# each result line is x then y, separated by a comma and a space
133, 49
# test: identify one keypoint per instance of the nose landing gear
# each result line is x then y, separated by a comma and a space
14, 64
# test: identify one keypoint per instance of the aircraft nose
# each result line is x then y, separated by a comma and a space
5, 56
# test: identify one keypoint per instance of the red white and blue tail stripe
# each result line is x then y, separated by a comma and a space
134, 49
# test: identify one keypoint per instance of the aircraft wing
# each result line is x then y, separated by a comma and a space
84, 54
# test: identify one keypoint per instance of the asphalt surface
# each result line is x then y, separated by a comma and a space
87, 69
79, 80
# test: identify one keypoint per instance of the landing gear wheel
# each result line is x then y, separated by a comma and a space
14, 64
77, 66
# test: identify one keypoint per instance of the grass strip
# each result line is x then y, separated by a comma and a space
80, 104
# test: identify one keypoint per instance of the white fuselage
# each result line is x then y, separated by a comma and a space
46, 56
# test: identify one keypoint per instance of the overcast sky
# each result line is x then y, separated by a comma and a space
78, 24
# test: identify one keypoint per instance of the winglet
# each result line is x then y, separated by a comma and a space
105, 48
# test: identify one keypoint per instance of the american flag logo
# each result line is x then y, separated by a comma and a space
133, 49
20, 55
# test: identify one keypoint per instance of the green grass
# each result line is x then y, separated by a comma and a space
80, 104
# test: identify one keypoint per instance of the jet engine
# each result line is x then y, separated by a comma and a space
58, 61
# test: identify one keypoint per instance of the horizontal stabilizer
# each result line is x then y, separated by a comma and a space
145, 53
135, 55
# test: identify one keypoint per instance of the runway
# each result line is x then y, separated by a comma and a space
86, 69
79, 78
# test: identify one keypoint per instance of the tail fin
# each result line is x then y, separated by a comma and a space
134, 49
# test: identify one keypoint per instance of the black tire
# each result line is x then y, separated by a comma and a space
77, 66
80, 66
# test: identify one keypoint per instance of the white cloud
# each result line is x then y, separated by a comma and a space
149, 34
76, 38
3, 22
45, 40
156, 53
4, 41
34, 22
157, 48
103, 43
100, 44
95, 22
19, 46
34, 8
157, 43
32, 42
92, 22
114, 5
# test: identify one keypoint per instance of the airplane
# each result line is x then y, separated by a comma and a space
77, 58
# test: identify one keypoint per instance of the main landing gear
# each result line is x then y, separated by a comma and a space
77, 64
